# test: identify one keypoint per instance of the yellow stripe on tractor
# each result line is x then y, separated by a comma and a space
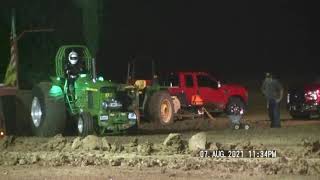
11, 75
92, 89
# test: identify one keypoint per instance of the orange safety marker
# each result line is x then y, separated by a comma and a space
196, 100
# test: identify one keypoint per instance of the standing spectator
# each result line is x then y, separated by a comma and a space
273, 91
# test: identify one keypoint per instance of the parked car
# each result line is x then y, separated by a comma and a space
304, 101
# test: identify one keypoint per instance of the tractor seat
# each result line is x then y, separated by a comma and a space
140, 84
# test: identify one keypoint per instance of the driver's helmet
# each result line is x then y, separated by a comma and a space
268, 75
73, 57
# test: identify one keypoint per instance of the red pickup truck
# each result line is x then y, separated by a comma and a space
215, 96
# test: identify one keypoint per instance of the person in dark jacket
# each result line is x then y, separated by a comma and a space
272, 89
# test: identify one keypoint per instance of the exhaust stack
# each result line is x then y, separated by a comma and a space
94, 72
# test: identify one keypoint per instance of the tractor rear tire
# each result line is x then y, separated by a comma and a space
48, 114
8, 112
161, 108
23, 113
85, 124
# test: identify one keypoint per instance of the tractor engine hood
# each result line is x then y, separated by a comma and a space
85, 83
112, 95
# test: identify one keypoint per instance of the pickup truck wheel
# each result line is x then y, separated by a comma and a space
161, 108
48, 114
235, 107
85, 124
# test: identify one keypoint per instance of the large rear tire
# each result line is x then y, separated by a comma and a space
161, 108
8, 112
23, 113
48, 114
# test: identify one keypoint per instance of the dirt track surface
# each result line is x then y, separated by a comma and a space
144, 155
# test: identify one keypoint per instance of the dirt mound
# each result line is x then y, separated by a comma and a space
198, 142
172, 139
77, 143
58, 142
134, 142
91, 143
145, 149
311, 147
174, 143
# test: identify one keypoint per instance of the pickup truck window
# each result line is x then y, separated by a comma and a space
189, 81
171, 80
206, 81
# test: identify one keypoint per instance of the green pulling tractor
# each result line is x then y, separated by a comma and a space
91, 103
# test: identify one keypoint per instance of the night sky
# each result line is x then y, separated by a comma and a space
224, 36
230, 38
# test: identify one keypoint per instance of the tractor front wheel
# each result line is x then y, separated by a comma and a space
85, 125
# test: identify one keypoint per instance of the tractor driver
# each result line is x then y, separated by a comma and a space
73, 68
